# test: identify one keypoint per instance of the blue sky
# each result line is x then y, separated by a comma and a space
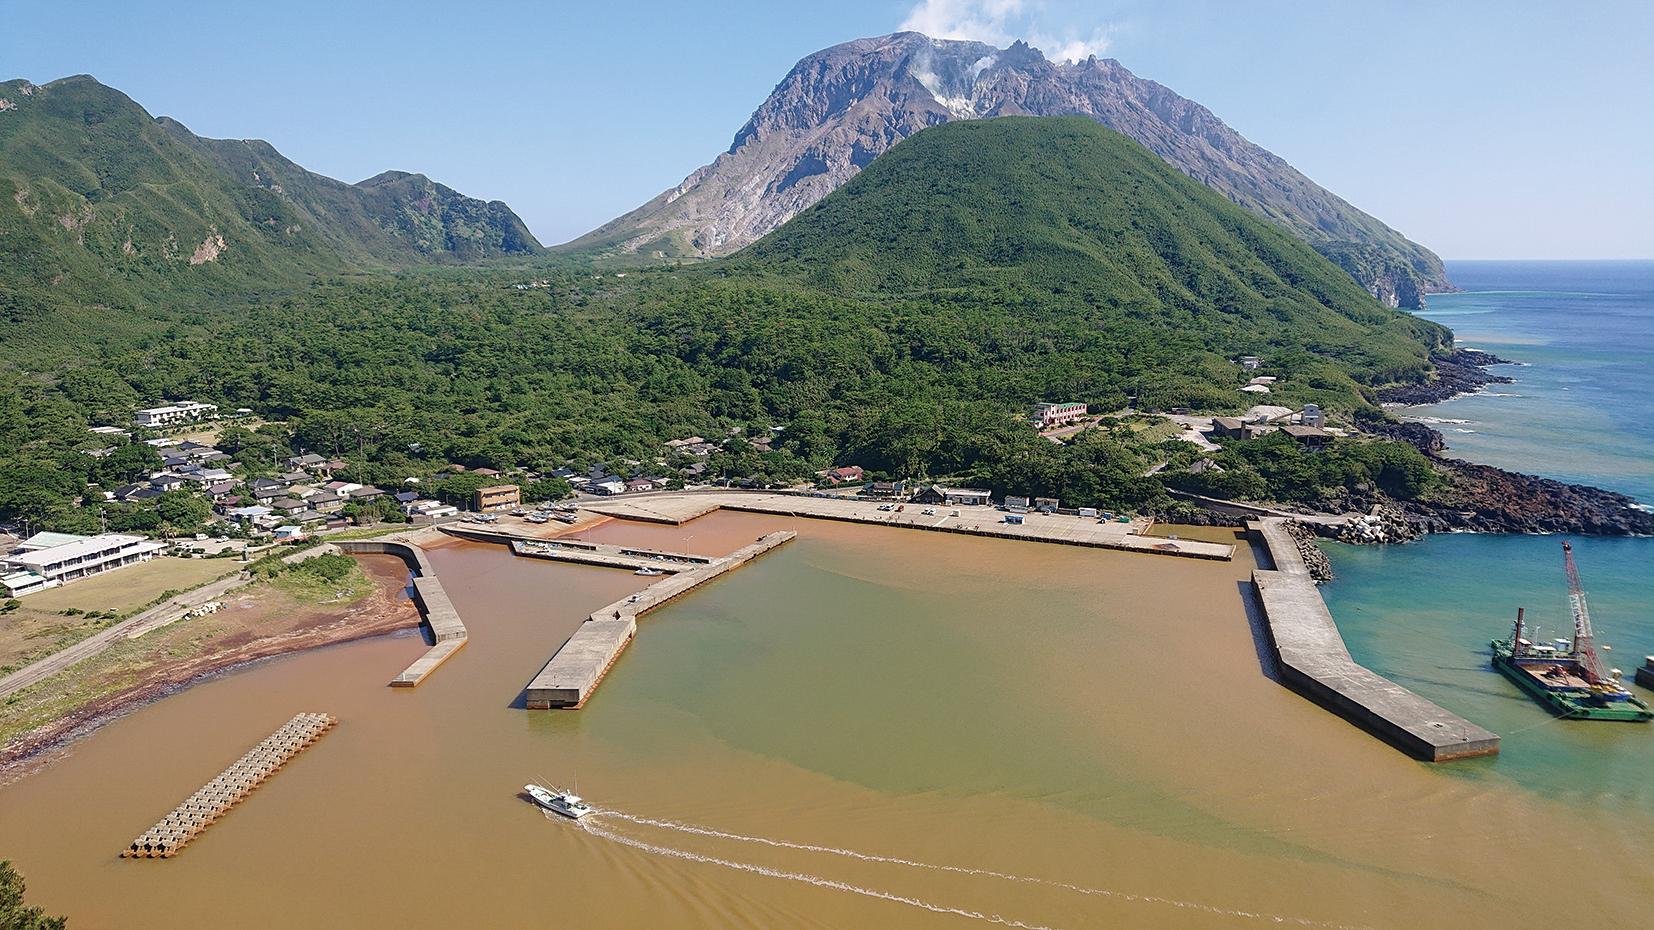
1481, 129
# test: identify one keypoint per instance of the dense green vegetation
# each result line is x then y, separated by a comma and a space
1275, 467
14, 914
903, 324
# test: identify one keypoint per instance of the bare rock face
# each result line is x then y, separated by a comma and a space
840, 108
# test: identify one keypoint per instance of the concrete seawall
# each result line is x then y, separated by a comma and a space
572, 674
1314, 662
448, 632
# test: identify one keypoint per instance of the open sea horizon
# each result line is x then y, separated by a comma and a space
1581, 337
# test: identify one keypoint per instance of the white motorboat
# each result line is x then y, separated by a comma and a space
568, 805
646, 570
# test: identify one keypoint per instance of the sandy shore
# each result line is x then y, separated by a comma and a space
262, 623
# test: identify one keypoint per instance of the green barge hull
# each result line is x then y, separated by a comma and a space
1569, 702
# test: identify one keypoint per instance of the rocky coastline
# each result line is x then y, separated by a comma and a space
1486, 499
1462, 371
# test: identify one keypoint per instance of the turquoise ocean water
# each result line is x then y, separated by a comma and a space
1582, 409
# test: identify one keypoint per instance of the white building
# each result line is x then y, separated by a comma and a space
184, 411
37, 569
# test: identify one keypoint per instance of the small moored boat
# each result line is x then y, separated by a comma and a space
646, 570
568, 805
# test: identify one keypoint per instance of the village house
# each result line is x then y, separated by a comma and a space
309, 461
607, 484
224, 490
842, 473
287, 505
1310, 437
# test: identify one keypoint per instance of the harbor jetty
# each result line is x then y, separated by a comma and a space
573, 672
1313, 661
216, 797
971, 520
448, 634
558, 549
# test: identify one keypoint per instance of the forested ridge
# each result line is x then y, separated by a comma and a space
905, 324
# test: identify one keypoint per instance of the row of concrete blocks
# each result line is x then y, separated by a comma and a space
215, 798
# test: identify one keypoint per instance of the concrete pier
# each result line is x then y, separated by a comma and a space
214, 800
1314, 662
579, 551
572, 674
679, 507
447, 630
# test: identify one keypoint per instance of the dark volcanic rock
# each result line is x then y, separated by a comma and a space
1463, 371
1491, 500
1417, 435
1485, 499
841, 107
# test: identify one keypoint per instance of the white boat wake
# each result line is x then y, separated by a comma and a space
955, 869
807, 879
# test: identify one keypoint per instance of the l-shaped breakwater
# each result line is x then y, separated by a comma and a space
573, 672
1313, 661
448, 634
1061, 529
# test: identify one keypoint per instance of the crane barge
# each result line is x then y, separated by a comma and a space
1567, 676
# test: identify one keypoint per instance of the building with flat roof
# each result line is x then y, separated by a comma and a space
1047, 416
184, 411
497, 497
48, 539
87, 556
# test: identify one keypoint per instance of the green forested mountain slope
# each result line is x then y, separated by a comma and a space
101, 204
1062, 216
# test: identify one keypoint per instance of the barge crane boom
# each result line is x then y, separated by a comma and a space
1584, 640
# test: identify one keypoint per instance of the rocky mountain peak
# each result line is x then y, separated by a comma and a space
841, 107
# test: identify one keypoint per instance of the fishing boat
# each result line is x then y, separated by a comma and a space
1567, 675
558, 802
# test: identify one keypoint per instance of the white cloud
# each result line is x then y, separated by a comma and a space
982, 20
1001, 22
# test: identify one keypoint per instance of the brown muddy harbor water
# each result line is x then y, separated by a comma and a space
1083, 738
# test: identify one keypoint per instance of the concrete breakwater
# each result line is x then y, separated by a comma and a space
1314, 662
573, 672
447, 630
680, 507
605, 555
216, 797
